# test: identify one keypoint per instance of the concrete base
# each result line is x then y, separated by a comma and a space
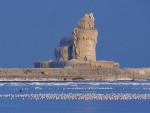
76, 64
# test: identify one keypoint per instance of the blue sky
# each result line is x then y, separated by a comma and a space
31, 29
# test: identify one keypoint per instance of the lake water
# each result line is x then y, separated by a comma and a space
75, 97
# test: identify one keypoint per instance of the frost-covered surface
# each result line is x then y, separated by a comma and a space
75, 97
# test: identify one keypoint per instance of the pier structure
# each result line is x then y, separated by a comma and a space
75, 60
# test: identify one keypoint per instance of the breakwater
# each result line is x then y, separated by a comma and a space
73, 74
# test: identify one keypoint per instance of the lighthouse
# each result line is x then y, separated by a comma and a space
84, 39
79, 50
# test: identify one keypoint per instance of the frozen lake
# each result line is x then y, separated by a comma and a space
75, 97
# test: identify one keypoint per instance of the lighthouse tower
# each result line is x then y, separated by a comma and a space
85, 39
80, 50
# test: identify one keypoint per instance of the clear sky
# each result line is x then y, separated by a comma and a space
31, 29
